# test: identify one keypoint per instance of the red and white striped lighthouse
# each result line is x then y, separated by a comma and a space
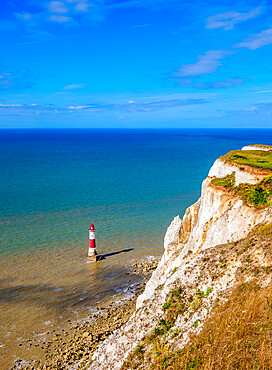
92, 254
91, 238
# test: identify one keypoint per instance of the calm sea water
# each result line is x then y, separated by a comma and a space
130, 183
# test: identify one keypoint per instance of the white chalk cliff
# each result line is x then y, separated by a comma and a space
218, 217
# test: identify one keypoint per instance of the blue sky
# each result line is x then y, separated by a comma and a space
134, 63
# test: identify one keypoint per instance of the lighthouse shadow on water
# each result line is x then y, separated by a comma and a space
104, 256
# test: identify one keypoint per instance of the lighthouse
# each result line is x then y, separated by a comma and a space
92, 254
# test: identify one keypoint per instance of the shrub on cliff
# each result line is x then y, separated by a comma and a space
260, 194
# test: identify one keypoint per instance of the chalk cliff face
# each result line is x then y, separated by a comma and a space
218, 217
222, 169
266, 148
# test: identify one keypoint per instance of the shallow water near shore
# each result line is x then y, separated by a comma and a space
130, 183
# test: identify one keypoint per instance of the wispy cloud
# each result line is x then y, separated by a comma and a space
10, 105
27, 107
68, 12
141, 25
256, 109
21, 44
143, 3
58, 7
133, 106
162, 104
16, 78
206, 64
263, 91
129, 106
257, 40
74, 87
227, 20
60, 18
229, 82
72, 12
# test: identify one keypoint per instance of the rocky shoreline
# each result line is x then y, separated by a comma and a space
72, 348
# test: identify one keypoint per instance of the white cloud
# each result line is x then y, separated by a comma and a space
257, 109
141, 25
59, 18
130, 106
82, 7
10, 105
37, 12
78, 107
206, 64
74, 87
66, 12
263, 91
250, 109
229, 82
227, 20
57, 7
257, 40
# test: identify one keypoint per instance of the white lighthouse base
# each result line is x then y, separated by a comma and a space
93, 256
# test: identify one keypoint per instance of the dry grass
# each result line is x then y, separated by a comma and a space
238, 332
237, 336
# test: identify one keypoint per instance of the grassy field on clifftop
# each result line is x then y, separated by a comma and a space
254, 158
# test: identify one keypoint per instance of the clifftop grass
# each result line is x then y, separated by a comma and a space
253, 158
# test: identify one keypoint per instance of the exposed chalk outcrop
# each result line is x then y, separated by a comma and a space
266, 148
222, 169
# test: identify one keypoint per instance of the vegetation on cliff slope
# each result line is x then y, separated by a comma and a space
260, 194
237, 336
237, 333
254, 158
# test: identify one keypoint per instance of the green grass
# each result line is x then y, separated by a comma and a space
254, 158
260, 194
227, 181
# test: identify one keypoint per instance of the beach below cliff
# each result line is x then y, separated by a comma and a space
72, 346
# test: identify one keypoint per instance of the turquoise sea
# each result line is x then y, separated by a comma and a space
54, 183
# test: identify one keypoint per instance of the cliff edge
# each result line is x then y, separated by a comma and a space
206, 258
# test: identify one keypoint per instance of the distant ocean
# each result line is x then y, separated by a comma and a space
54, 183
